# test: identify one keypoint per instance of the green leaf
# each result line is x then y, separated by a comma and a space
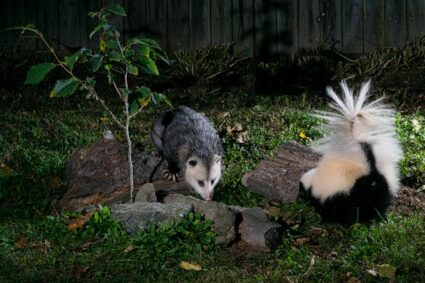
149, 65
133, 70
116, 9
144, 91
112, 43
144, 51
93, 14
38, 72
144, 41
70, 60
65, 88
129, 53
96, 62
161, 55
96, 29
116, 56
145, 95
134, 107
125, 91
159, 97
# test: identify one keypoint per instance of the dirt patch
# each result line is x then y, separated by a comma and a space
408, 202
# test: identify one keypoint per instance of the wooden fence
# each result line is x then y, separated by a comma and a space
257, 26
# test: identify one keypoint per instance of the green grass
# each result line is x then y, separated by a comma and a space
34, 149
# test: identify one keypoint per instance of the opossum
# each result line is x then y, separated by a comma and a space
189, 143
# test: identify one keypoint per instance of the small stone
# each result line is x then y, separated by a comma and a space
145, 193
224, 217
139, 215
258, 231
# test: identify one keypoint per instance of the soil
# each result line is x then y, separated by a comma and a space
408, 202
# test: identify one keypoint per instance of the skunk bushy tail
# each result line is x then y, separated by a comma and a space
356, 121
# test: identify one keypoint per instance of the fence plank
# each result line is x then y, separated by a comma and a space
69, 23
156, 21
48, 22
243, 26
309, 23
88, 23
19, 16
395, 23
415, 19
331, 21
178, 24
265, 27
374, 25
256, 26
135, 22
5, 22
118, 21
352, 26
200, 23
221, 21
287, 25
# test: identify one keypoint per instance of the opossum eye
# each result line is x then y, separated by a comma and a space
212, 182
201, 183
192, 163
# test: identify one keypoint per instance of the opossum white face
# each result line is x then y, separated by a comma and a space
202, 180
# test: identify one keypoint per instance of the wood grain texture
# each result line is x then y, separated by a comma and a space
256, 26
265, 27
178, 24
287, 26
117, 21
243, 26
200, 23
352, 26
374, 25
156, 21
19, 17
48, 22
395, 23
69, 24
136, 22
87, 23
415, 19
309, 23
330, 15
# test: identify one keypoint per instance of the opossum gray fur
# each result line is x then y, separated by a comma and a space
189, 143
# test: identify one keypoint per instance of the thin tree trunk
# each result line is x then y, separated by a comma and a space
130, 159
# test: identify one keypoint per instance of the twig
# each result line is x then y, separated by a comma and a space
94, 93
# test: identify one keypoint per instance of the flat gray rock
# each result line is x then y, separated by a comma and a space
224, 218
145, 193
139, 215
278, 177
258, 231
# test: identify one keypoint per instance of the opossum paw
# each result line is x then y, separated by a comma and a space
175, 177
170, 176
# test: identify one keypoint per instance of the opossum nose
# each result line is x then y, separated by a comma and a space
207, 197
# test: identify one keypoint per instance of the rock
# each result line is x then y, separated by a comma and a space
145, 193
139, 215
224, 218
258, 231
278, 178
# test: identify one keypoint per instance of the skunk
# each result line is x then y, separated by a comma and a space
357, 175
189, 143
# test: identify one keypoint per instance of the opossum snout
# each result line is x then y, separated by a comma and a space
207, 196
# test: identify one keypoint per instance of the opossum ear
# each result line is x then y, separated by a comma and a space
193, 163
217, 158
